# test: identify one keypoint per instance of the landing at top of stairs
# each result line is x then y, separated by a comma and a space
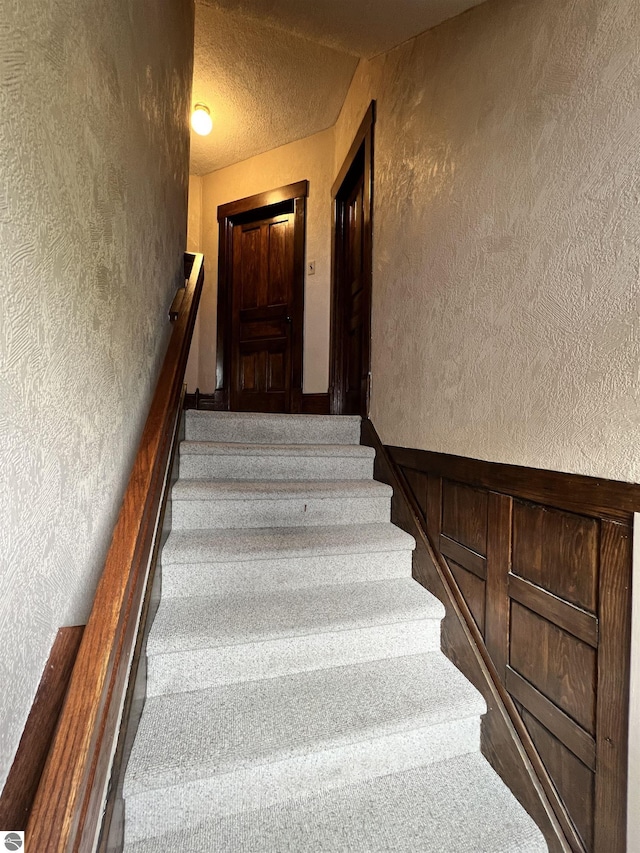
234, 448
246, 427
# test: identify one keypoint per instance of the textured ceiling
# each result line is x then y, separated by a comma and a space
361, 27
272, 71
264, 87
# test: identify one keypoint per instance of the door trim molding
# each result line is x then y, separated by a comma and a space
363, 141
297, 193
266, 199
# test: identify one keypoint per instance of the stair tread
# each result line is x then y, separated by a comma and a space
280, 757
278, 489
414, 810
232, 727
224, 448
242, 544
214, 622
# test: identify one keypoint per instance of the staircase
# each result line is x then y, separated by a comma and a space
297, 698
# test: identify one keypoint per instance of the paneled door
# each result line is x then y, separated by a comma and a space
261, 301
263, 297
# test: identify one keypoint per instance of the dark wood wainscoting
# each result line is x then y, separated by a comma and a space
22, 782
542, 560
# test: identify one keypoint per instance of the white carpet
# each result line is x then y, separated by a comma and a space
297, 697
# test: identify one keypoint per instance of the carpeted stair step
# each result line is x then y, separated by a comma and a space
254, 503
271, 429
208, 459
220, 640
297, 698
456, 806
216, 562
214, 752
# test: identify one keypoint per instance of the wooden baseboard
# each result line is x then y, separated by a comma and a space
315, 404
215, 402
22, 782
311, 404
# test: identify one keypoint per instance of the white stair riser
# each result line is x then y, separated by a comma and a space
178, 672
201, 466
181, 580
297, 512
156, 812
267, 430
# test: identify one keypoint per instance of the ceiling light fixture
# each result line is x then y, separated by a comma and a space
201, 120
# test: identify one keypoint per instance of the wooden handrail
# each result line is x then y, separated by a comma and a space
67, 811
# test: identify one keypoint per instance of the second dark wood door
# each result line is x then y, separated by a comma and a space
262, 313
351, 277
352, 262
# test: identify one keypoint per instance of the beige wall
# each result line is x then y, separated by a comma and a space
507, 235
194, 217
307, 159
507, 245
194, 243
93, 179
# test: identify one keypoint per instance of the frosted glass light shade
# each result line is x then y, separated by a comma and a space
201, 120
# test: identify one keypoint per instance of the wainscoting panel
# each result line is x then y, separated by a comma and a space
543, 562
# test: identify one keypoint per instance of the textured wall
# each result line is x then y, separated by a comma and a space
308, 159
93, 179
194, 216
507, 235
194, 242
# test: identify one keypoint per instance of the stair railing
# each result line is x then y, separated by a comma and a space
67, 813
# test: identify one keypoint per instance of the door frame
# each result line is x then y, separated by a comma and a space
362, 145
227, 213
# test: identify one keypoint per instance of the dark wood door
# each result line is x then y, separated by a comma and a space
261, 301
351, 277
356, 303
262, 313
